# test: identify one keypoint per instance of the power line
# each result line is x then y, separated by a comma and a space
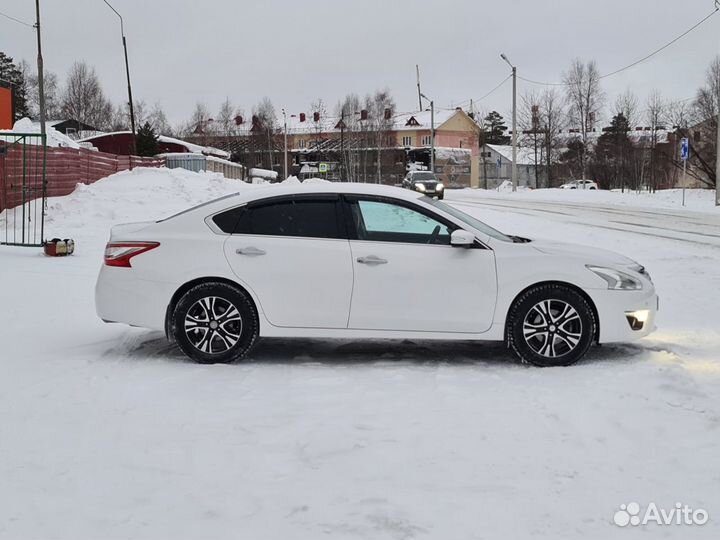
16, 20
506, 79
643, 59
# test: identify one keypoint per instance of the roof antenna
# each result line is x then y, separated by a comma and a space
417, 70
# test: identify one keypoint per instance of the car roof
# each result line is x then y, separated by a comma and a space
253, 193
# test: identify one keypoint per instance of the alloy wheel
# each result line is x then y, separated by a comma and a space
552, 328
213, 325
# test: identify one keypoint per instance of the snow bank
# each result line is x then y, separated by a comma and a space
695, 199
54, 137
138, 195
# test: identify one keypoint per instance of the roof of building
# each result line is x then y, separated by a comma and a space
191, 147
525, 156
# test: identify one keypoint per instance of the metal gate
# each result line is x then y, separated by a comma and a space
23, 189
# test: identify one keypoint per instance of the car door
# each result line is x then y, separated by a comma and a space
294, 254
409, 277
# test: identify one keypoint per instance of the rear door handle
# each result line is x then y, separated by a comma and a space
371, 260
251, 251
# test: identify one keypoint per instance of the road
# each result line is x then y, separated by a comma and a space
681, 225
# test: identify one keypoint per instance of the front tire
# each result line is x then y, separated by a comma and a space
215, 323
551, 325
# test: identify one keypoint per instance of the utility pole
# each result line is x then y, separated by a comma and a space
514, 123
41, 99
432, 132
41, 69
432, 136
342, 146
417, 71
127, 73
717, 166
285, 163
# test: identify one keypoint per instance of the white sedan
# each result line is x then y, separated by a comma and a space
361, 261
580, 184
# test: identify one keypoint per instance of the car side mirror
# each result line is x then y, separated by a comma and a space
461, 238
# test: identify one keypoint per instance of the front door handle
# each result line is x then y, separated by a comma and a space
250, 251
371, 260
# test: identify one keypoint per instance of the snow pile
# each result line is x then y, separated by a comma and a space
54, 137
506, 186
139, 195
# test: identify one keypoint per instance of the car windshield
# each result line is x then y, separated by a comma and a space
465, 218
423, 176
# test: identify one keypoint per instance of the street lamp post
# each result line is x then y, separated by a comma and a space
514, 123
127, 73
285, 163
432, 132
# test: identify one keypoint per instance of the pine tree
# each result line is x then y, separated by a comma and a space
495, 128
146, 142
11, 73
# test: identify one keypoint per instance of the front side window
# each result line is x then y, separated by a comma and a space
382, 221
306, 218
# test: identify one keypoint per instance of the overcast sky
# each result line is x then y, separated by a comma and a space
182, 52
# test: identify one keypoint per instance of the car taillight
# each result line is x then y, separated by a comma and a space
120, 253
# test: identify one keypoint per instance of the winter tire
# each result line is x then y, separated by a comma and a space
215, 323
551, 325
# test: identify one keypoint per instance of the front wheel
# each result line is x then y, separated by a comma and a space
551, 325
215, 323
441, 196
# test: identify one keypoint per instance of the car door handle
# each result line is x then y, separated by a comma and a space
371, 259
250, 251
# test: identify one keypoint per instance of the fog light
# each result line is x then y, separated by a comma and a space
637, 319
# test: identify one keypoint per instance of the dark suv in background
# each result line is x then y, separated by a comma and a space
424, 182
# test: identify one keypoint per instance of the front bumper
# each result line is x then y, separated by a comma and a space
614, 308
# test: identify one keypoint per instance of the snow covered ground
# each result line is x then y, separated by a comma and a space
108, 432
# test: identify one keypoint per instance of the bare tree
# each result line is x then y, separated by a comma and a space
348, 110
585, 99
703, 136
381, 110
263, 131
158, 120
226, 118
655, 114
200, 118
627, 105
52, 92
317, 107
83, 98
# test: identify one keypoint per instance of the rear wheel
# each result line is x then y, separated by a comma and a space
551, 325
215, 323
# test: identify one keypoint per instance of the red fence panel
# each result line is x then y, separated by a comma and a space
67, 167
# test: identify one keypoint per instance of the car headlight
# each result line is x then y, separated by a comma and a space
616, 279
439, 186
420, 187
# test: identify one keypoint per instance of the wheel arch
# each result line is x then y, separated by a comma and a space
586, 296
185, 287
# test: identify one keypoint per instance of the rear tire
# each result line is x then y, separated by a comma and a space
214, 323
551, 325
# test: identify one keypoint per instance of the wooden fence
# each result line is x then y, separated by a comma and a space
65, 168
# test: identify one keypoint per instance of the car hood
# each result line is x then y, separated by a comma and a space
590, 255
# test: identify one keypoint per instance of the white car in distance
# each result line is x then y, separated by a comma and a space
580, 184
361, 261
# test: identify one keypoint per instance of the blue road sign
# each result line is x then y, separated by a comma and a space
684, 149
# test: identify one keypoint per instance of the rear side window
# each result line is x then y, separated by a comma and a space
308, 218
